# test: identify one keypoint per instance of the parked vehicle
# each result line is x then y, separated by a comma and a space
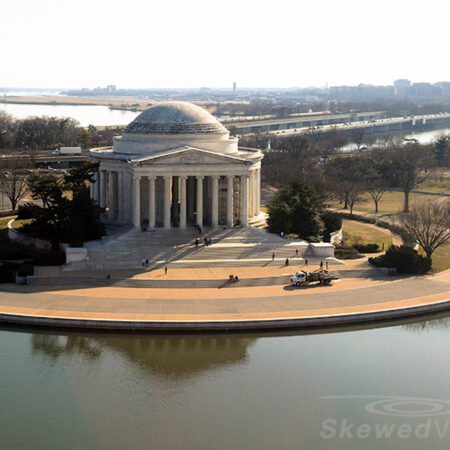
302, 278
67, 151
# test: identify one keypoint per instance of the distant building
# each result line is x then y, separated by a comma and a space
402, 87
234, 87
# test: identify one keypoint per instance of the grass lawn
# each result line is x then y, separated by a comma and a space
439, 181
441, 258
16, 224
390, 203
365, 233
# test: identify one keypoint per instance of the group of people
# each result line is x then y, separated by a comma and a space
207, 241
233, 278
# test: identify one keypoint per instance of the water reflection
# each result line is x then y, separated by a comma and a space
169, 356
428, 325
190, 355
55, 346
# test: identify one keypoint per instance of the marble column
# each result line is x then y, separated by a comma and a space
102, 189
96, 187
151, 202
215, 201
167, 180
111, 195
258, 191
230, 182
120, 209
136, 201
244, 200
200, 201
250, 192
183, 201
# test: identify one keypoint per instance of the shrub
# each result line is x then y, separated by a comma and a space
28, 211
371, 247
405, 260
7, 270
332, 221
50, 258
342, 252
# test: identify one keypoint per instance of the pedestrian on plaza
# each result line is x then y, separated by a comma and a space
296, 252
327, 264
306, 262
196, 243
273, 256
321, 265
286, 263
143, 263
165, 270
146, 263
210, 241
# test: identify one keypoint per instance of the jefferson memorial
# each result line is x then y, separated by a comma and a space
174, 166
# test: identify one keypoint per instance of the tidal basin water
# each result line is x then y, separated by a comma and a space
371, 388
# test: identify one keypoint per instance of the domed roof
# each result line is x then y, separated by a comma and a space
175, 118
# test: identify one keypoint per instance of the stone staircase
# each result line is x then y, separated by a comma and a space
230, 247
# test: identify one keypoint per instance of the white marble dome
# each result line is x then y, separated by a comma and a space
175, 118
175, 124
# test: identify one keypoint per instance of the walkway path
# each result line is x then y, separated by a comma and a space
118, 307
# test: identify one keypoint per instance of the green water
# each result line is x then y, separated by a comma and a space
259, 391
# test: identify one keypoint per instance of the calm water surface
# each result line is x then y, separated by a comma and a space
85, 114
80, 391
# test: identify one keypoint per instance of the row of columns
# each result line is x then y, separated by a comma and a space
249, 198
183, 201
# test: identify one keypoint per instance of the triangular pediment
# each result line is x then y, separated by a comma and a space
188, 156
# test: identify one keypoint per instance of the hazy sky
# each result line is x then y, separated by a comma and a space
193, 43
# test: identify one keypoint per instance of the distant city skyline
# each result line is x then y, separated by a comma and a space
178, 44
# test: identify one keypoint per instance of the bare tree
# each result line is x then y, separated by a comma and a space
408, 167
375, 179
13, 179
428, 224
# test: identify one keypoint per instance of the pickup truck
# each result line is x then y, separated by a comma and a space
302, 278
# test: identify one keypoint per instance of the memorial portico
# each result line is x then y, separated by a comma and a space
174, 166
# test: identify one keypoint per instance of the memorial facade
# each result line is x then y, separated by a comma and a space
176, 165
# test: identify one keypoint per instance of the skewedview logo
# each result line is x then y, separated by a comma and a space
427, 417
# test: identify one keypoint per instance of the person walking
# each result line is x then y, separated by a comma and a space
327, 265
306, 262
321, 265
196, 243
296, 252
273, 256
143, 263
286, 263
165, 270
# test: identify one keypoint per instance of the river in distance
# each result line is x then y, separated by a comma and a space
97, 115
102, 115
384, 387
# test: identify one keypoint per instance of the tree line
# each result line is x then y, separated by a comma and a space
37, 133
